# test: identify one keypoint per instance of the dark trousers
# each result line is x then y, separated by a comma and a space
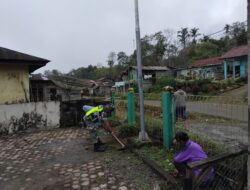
181, 167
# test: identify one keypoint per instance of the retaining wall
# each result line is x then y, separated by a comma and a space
34, 115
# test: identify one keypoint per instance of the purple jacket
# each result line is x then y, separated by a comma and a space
190, 153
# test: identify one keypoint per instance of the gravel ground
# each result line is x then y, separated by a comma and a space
63, 159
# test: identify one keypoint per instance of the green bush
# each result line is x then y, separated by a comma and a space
154, 126
196, 89
241, 80
114, 121
127, 130
230, 82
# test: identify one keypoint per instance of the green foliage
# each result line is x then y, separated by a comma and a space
162, 82
154, 126
161, 49
195, 87
114, 121
162, 157
127, 130
205, 50
242, 80
183, 36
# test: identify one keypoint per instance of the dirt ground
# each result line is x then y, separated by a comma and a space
63, 159
232, 136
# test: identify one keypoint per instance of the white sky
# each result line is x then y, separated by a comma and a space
77, 33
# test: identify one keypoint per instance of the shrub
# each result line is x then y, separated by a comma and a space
204, 88
230, 82
114, 121
154, 126
165, 81
241, 80
188, 90
127, 130
196, 89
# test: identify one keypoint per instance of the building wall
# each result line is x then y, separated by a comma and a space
243, 66
27, 116
14, 85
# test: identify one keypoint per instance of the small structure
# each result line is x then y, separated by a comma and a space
149, 73
103, 87
42, 89
235, 62
211, 68
232, 64
15, 68
59, 88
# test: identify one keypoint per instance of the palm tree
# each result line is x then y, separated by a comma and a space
183, 36
194, 34
227, 28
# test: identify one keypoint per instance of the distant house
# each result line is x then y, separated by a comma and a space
232, 64
42, 89
149, 74
211, 68
15, 68
235, 62
59, 88
103, 87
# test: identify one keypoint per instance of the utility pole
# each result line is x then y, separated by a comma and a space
143, 135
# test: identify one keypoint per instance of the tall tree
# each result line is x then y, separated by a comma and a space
183, 36
123, 59
159, 47
227, 28
194, 34
111, 59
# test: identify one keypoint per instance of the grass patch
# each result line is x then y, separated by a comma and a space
162, 157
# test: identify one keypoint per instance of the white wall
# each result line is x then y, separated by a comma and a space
34, 115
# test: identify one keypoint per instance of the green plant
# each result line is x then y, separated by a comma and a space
230, 82
241, 80
114, 121
127, 130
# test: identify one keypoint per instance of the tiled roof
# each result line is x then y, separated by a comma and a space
236, 52
207, 62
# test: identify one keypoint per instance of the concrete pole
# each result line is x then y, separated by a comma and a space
142, 135
113, 102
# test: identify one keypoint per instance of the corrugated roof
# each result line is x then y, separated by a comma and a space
236, 52
11, 56
207, 62
72, 83
153, 68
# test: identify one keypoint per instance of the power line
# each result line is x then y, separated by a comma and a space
222, 30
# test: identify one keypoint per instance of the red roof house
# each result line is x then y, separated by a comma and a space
236, 52
235, 62
207, 62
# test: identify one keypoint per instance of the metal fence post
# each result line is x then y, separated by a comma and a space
167, 114
113, 102
131, 106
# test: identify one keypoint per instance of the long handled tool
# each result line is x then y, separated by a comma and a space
108, 128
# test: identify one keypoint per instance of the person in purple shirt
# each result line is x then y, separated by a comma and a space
190, 152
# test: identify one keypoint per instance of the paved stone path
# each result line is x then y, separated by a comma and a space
51, 160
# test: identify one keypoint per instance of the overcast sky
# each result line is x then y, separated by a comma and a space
77, 33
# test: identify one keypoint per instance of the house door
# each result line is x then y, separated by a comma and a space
237, 71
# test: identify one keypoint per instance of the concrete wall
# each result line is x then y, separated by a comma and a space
14, 83
26, 116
